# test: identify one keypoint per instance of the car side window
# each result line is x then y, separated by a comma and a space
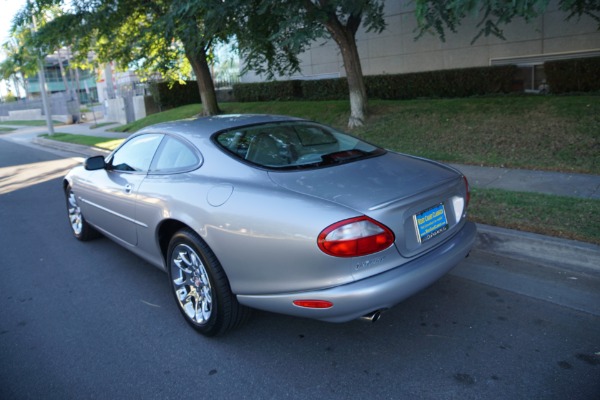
136, 154
174, 156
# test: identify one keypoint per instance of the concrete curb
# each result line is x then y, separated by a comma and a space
83, 150
532, 247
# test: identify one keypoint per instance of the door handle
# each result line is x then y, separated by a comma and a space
128, 188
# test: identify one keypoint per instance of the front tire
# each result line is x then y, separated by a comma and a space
79, 226
200, 286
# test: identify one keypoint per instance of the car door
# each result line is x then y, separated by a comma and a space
166, 184
110, 204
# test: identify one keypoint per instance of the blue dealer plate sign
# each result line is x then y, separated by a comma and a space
431, 222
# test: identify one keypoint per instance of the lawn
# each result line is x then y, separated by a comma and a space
555, 133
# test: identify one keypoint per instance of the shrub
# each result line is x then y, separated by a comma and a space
325, 89
267, 91
178, 94
446, 83
576, 75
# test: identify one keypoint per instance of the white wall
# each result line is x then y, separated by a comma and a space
115, 110
139, 107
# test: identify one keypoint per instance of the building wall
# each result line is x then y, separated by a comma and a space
395, 50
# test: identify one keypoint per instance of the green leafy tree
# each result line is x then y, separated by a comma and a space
149, 36
272, 33
20, 59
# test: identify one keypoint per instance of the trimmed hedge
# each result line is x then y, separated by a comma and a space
325, 89
178, 95
267, 91
576, 75
446, 83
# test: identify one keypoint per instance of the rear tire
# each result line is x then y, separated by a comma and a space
200, 286
79, 226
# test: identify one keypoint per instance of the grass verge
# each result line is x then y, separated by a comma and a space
5, 129
565, 217
29, 123
95, 141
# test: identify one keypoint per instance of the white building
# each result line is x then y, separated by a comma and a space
394, 51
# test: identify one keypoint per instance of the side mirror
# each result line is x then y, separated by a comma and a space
94, 163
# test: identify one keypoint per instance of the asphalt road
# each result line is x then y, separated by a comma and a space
90, 320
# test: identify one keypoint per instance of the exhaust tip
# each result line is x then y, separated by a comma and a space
371, 317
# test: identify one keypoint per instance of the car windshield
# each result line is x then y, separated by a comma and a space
293, 145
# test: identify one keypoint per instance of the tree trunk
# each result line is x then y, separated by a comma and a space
345, 38
206, 86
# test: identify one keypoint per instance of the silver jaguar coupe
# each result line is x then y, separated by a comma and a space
274, 213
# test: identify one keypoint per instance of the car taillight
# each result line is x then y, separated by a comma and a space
355, 237
468, 199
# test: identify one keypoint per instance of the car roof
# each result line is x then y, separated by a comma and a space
206, 126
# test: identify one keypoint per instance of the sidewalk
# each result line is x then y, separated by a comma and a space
520, 180
514, 244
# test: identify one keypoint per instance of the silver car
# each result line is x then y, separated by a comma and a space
274, 213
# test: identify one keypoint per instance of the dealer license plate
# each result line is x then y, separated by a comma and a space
431, 222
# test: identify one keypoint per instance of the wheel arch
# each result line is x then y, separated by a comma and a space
165, 232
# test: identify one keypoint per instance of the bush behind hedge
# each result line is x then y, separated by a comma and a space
267, 91
576, 75
178, 95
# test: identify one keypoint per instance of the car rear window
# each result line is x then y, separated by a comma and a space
293, 145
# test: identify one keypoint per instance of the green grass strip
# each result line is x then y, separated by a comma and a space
29, 123
96, 141
565, 217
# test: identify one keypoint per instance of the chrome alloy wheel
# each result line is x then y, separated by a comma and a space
75, 217
192, 284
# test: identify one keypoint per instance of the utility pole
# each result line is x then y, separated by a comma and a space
42, 80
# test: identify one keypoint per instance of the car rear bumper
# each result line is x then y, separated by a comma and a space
374, 293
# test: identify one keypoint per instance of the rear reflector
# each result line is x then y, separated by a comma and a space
313, 303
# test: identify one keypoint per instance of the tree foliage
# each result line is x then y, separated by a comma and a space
20, 60
161, 36
22, 51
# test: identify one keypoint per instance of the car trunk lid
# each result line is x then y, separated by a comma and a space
370, 183
395, 189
